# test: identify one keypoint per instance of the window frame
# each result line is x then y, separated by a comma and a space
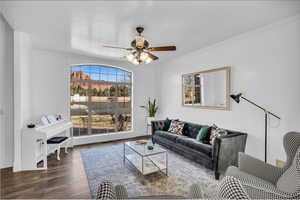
132, 96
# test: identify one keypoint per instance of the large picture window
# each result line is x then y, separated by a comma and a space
100, 99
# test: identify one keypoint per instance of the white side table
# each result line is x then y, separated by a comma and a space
148, 124
149, 129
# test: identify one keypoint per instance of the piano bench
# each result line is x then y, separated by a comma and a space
55, 143
56, 140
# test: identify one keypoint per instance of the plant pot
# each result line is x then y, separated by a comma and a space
149, 119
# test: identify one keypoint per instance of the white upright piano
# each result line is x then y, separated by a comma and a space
34, 143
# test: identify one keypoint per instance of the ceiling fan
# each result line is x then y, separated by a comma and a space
140, 50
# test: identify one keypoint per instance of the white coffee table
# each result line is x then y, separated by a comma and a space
144, 160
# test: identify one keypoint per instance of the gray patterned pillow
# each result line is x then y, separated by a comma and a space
106, 191
176, 127
216, 132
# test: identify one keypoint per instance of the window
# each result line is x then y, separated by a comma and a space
100, 99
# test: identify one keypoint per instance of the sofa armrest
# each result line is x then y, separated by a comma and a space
226, 149
259, 168
157, 125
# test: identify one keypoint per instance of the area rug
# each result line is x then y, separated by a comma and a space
106, 163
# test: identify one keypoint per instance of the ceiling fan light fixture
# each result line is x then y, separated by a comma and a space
144, 56
140, 52
140, 40
148, 60
130, 57
135, 61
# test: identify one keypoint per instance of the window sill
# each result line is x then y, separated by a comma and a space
97, 138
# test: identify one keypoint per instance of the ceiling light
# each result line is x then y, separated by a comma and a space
130, 57
148, 60
135, 61
143, 56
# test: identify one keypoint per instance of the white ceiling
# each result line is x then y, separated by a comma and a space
82, 26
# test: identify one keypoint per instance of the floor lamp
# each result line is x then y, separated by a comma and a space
238, 97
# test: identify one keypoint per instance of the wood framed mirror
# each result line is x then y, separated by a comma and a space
208, 89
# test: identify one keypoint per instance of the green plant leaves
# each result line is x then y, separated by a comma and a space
151, 107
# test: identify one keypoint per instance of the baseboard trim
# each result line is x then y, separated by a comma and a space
82, 140
6, 165
133, 138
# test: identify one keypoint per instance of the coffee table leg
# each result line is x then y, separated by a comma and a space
142, 165
124, 153
166, 164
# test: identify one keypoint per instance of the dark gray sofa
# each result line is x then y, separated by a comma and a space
220, 155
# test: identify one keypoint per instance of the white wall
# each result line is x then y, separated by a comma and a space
265, 68
6, 93
50, 88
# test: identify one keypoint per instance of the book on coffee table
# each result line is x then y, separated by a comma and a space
141, 141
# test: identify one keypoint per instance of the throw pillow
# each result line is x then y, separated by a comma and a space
106, 191
216, 132
176, 127
185, 130
204, 134
167, 124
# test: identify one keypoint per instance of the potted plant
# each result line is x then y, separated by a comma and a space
151, 108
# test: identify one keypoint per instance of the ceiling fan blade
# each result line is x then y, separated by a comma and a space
129, 49
152, 56
164, 48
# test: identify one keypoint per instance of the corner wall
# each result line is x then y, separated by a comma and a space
265, 68
22, 96
6, 93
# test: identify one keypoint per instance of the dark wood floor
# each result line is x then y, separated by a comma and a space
64, 179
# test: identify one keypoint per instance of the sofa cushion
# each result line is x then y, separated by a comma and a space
195, 145
167, 135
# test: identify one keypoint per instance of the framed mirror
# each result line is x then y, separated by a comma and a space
207, 89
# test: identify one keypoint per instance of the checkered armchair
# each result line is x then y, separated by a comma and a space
254, 179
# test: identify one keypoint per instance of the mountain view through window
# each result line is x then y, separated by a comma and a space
100, 99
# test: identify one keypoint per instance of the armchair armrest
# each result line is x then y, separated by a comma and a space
157, 125
231, 188
259, 168
226, 149
106, 191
